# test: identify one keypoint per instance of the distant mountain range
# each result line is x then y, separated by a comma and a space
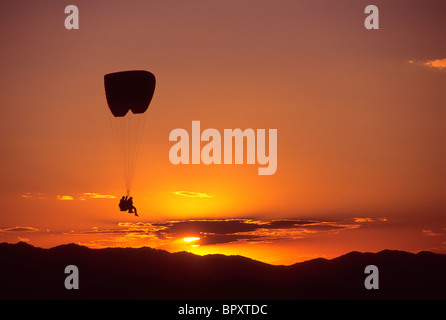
28, 272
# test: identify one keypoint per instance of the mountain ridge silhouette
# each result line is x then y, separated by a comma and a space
29, 272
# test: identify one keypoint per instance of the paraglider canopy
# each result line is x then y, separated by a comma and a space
129, 90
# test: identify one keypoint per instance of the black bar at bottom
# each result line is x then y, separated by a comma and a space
220, 309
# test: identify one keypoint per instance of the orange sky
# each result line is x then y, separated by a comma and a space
360, 119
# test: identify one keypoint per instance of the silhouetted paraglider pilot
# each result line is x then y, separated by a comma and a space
127, 204
123, 204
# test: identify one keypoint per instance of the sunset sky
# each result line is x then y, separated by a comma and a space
360, 116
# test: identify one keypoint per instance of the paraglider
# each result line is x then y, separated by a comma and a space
127, 204
128, 94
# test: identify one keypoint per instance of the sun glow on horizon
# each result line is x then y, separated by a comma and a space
191, 239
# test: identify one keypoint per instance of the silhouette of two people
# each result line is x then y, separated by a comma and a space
126, 203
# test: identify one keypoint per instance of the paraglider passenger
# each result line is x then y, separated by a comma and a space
130, 206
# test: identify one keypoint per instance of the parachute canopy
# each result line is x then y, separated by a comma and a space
129, 90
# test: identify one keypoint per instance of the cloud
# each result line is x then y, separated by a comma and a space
431, 233
227, 238
124, 228
93, 195
195, 227
31, 195
64, 197
191, 194
363, 219
19, 229
439, 64
248, 230
82, 196
221, 231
